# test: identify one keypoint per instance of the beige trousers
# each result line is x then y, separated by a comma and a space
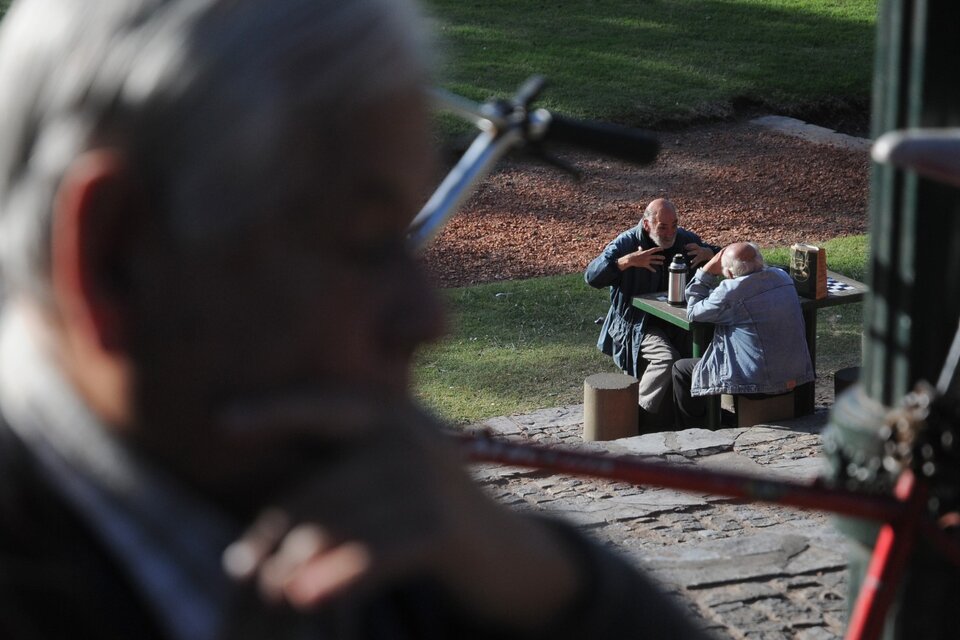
659, 350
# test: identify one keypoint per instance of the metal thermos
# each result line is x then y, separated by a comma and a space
677, 281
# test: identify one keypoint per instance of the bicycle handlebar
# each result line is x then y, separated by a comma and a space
506, 124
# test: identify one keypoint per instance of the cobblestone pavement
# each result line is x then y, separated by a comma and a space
744, 570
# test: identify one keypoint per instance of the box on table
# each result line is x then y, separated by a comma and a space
808, 268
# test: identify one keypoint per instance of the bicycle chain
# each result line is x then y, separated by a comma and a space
922, 435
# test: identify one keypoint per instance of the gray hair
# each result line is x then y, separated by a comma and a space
212, 101
737, 267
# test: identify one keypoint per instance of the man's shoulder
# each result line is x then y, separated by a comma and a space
773, 277
755, 283
775, 271
50, 557
686, 235
625, 242
771, 284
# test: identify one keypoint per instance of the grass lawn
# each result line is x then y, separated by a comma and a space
527, 344
522, 345
640, 62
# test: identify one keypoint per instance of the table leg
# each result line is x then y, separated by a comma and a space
702, 333
805, 394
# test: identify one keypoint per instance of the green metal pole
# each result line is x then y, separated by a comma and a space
914, 304
915, 224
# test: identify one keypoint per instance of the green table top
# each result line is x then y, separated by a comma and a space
840, 290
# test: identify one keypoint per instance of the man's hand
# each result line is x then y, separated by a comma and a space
648, 259
697, 254
714, 265
391, 501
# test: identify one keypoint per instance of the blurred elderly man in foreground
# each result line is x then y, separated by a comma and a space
759, 345
206, 426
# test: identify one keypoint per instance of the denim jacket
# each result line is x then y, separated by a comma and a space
759, 343
623, 327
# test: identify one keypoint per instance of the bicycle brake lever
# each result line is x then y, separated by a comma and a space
529, 91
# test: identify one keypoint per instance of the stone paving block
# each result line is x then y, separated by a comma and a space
553, 418
752, 618
657, 496
816, 633
579, 517
652, 502
762, 435
800, 469
738, 593
733, 462
492, 472
773, 631
813, 525
802, 582
789, 614
649, 444
503, 426
736, 559
817, 558
836, 619
836, 580
625, 508
688, 443
733, 432
701, 442
544, 438
679, 460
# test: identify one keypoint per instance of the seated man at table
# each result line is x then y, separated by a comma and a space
759, 346
634, 263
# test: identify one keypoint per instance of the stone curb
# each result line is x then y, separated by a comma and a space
813, 133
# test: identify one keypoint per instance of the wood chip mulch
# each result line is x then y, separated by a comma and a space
730, 182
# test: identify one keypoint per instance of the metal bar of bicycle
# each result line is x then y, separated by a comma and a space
636, 470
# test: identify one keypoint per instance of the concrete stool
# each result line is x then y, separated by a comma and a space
750, 412
610, 408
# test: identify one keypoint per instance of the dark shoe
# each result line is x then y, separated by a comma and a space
728, 418
662, 420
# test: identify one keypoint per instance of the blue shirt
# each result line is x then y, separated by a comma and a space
759, 343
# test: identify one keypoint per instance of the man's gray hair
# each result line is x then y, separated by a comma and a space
738, 267
212, 101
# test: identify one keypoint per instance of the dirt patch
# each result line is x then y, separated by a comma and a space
731, 181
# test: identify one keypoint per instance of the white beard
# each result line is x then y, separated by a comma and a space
659, 241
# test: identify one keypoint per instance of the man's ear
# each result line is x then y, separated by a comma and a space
94, 212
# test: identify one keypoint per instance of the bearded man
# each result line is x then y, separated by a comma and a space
635, 263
